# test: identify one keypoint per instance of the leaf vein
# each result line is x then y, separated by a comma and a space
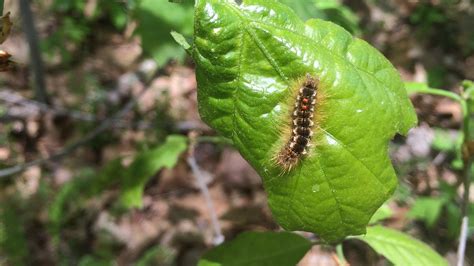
355, 157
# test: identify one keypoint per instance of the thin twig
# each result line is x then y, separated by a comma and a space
218, 237
35, 53
31, 108
35, 107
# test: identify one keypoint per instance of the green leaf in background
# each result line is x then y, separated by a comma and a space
332, 10
248, 57
338, 13
145, 165
157, 18
453, 218
132, 181
304, 9
382, 213
117, 11
258, 249
427, 209
401, 249
446, 140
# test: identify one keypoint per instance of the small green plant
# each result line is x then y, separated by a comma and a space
71, 200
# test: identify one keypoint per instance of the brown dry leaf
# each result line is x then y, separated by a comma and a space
5, 27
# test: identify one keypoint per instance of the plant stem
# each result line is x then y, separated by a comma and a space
465, 212
1, 7
201, 182
414, 87
466, 178
218, 237
340, 255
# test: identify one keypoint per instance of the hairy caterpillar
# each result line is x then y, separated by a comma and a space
301, 128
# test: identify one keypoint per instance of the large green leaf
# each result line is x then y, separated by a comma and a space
258, 249
401, 249
247, 58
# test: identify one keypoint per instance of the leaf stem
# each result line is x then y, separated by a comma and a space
340, 255
416, 87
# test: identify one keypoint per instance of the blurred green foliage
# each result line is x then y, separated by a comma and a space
156, 20
89, 260
156, 255
446, 26
427, 209
75, 28
450, 143
430, 210
13, 241
70, 201
332, 10
132, 179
